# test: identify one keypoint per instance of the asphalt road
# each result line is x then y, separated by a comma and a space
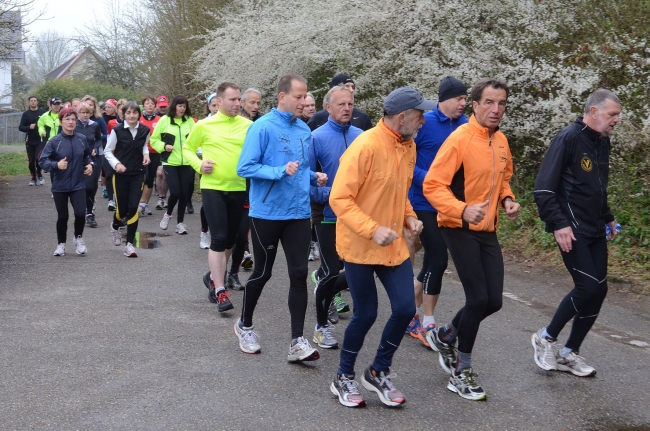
104, 342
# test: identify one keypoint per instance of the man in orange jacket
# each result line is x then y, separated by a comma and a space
370, 199
467, 182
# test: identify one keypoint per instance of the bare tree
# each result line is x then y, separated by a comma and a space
49, 50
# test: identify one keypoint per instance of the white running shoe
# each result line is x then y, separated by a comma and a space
41, 180
32, 182
81, 246
248, 339
181, 229
164, 223
111, 205
302, 351
574, 364
544, 351
116, 236
60, 250
129, 250
205, 240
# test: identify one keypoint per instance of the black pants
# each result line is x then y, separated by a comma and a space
587, 264
435, 258
77, 199
128, 190
223, 212
108, 172
241, 242
333, 279
180, 180
479, 262
295, 238
92, 183
33, 154
151, 169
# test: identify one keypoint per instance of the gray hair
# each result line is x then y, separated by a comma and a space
310, 95
328, 97
244, 96
598, 99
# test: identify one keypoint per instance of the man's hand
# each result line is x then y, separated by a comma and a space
88, 169
384, 236
146, 160
474, 214
169, 148
512, 209
62, 164
292, 168
321, 178
207, 166
564, 238
613, 232
415, 226
120, 168
31, 126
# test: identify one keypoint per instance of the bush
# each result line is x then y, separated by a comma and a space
68, 89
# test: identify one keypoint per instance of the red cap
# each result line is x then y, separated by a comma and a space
162, 101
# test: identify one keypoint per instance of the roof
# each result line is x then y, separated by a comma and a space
11, 37
62, 69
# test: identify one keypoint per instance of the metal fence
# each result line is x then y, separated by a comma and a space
9, 133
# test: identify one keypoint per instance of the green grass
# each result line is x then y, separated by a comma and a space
13, 164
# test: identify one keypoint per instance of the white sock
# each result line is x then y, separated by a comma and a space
428, 320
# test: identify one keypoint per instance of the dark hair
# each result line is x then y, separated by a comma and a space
66, 112
477, 89
285, 83
32, 97
133, 106
226, 85
178, 100
148, 97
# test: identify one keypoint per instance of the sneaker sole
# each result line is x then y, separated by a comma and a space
366, 384
250, 352
313, 356
81, 252
204, 247
467, 397
130, 255
227, 307
421, 338
542, 365
55, 254
181, 233
361, 403
564, 369
324, 346
212, 294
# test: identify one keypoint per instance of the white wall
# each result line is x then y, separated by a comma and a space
5, 83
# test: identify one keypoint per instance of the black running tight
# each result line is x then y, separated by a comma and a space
180, 180
333, 280
435, 258
77, 199
128, 189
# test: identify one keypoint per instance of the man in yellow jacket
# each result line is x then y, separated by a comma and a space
467, 182
370, 199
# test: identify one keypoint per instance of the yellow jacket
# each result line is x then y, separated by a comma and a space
470, 168
371, 190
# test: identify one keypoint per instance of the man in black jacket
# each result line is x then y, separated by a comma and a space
571, 195
359, 118
33, 142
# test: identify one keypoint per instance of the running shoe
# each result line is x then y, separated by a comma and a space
324, 338
544, 351
247, 263
111, 205
315, 279
446, 353
248, 339
416, 331
347, 390
81, 245
382, 384
333, 314
223, 301
90, 220
204, 243
144, 210
180, 228
164, 223
313, 251
41, 180
341, 305
212, 296
60, 250
116, 236
574, 364
190, 208
129, 250
232, 281
160, 204
464, 384
164, 203
32, 182
105, 194
155, 190
302, 351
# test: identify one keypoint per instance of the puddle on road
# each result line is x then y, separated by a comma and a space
149, 240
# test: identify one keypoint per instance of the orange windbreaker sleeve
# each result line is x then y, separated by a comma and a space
505, 185
437, 182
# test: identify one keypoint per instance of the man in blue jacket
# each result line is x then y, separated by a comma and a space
329, 142
275, 158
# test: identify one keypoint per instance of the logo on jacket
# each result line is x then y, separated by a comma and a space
586, 164
284, 138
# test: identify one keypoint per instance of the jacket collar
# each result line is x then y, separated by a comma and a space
483, 131
284, 116
394, 135
336, 126
591, 133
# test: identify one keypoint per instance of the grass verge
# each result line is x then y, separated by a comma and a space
13, 164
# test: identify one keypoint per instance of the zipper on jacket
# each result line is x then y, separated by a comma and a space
494, 173
267, 193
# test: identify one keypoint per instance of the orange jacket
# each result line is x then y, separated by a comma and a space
470, 168
371, 190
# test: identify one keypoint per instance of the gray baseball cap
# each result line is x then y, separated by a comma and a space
406, 98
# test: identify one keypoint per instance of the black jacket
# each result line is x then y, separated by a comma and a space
92, 132
77, 153
31, 117
571, 186
359, 119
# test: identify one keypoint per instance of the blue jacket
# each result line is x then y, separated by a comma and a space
77, 151
329, 142
271, 142
434, 132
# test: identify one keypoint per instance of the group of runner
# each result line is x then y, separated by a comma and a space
330, 184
